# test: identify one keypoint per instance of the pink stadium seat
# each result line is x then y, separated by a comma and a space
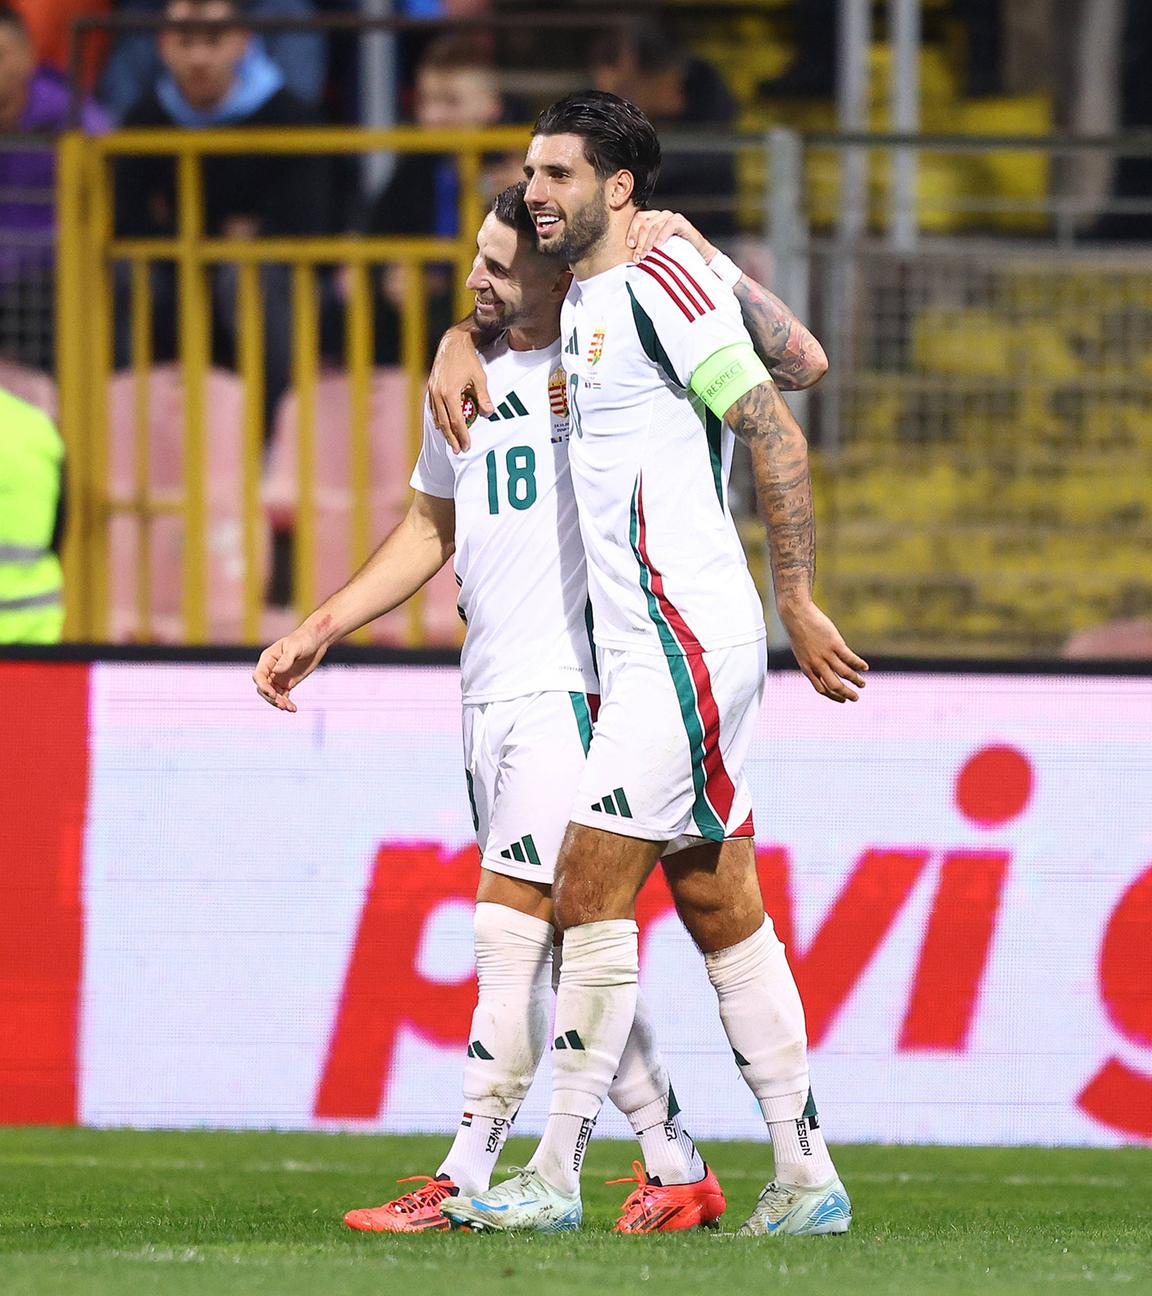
224, 401
29, 385
391, 466
1131, 640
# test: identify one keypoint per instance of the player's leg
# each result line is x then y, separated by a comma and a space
642, 1092
540, 759
510, 1025
509, 1032
597, 879
675, 1189
616, 836
717, 894
598, 876
513, 946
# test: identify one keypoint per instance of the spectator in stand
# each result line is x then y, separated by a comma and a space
135, 65
457, 88
677, 90
220, 77
49, 24
34, 101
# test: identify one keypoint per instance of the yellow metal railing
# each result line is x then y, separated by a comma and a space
88, 251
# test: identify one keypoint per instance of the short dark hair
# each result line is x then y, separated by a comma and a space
13, 18
454, 52
617, 137
509, 209
647, 41
238, 7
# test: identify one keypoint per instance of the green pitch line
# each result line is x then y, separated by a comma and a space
86, 1213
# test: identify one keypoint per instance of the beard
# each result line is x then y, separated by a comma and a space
584, 231
503, 318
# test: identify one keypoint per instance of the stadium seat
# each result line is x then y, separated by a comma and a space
1124, 640
31, 385
224, 401
390, 468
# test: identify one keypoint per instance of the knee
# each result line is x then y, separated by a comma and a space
581, 899
573, 904
716, 921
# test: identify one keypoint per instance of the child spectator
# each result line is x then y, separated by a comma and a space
457, 88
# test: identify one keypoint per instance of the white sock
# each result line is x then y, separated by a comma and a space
594, 1011
506, 1040
764, 1020
801, 1154
643, 1092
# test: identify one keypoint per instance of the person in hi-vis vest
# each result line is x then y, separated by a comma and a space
31, 524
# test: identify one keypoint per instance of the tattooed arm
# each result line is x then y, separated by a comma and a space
791, 354
779, 452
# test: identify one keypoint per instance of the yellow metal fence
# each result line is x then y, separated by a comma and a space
88, 252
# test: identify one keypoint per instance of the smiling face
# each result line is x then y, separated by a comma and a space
514, 285
567, 199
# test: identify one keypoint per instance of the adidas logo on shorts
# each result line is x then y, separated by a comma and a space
615, 803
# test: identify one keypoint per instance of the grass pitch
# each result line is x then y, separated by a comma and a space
96, 1213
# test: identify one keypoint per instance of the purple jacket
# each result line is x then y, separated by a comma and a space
28, 174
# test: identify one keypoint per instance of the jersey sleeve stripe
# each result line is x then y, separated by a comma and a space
669, 268
689, 314
675, 269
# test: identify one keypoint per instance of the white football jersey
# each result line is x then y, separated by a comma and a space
650, 462
519, 559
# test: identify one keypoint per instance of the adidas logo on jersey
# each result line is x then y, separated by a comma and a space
569, 1040
572, 347
615, 803
477, 1050
522, 851
510, 407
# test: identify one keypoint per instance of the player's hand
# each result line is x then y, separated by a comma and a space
651, 228
285, 663
831, 666
457, 376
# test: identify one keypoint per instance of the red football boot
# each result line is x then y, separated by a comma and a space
653, 1208
414, 1212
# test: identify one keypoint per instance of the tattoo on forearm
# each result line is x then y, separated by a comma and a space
783, 486
794, 358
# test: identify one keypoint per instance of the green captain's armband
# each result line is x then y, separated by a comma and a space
726, 376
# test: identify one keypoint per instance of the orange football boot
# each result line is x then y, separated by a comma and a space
414, 1212
653, 1208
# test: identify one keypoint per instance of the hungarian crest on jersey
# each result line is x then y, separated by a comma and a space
596, 347
558, 404
468, 409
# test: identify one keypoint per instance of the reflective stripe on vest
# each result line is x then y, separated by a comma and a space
22, 553
52, 599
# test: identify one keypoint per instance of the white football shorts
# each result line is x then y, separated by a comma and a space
522, 759
667, 756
